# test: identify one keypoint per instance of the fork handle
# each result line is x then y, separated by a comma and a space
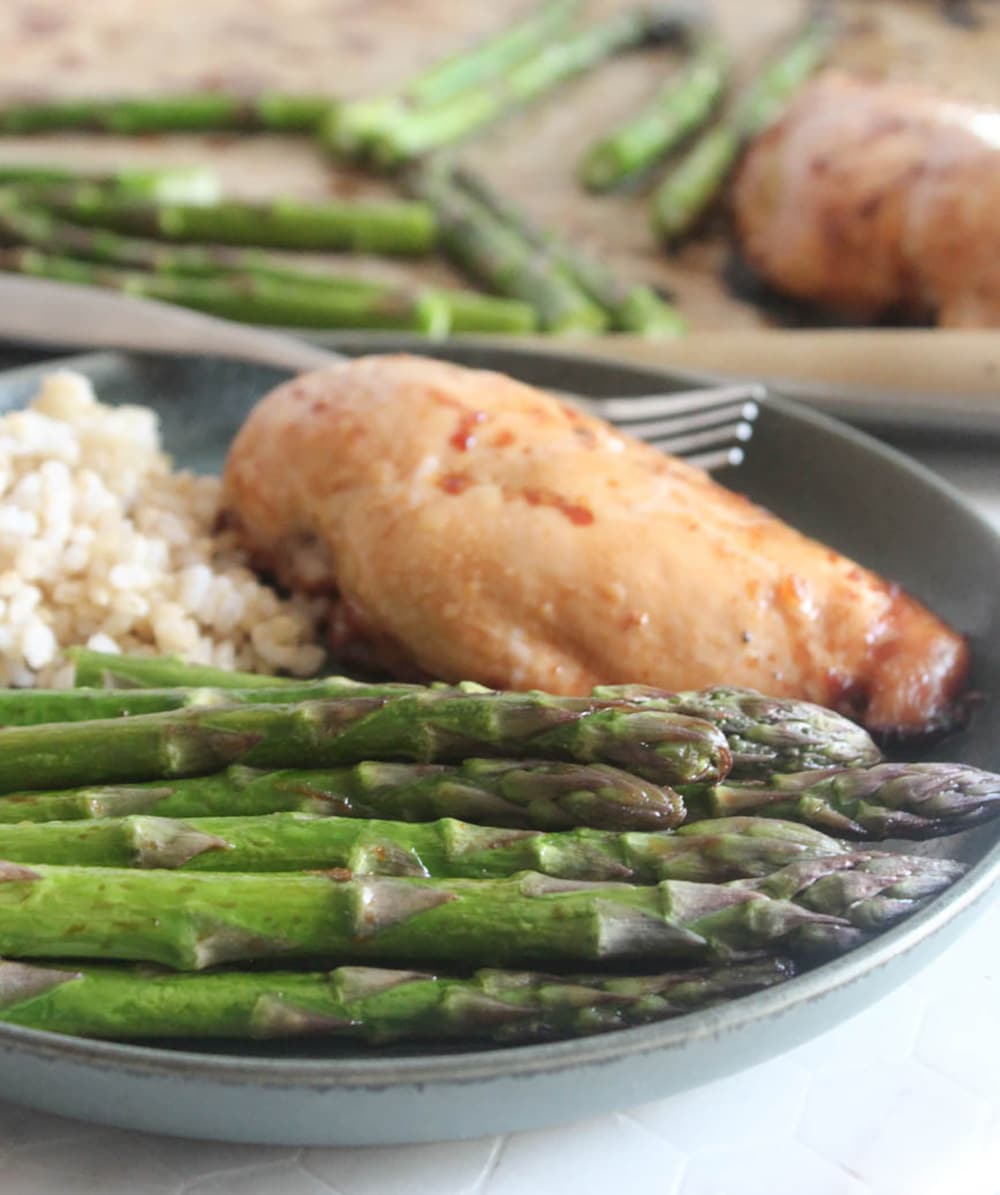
62, 314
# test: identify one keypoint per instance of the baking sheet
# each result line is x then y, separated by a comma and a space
347, 47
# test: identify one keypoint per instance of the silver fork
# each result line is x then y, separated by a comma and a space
708, 426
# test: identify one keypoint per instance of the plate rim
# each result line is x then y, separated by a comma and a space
971, 892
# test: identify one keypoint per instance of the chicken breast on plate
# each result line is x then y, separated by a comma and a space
476, 528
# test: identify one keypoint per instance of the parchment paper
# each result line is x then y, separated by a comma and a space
353, 47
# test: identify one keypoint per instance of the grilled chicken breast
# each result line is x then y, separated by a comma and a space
472, 527
877, 197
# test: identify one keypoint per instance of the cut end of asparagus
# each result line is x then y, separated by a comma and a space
195, 184
646, 314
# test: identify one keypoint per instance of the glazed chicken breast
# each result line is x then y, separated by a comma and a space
877, 197
472, 527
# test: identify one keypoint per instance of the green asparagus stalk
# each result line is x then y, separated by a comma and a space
500, 259
889, 800
868, 888
692, 185
427, 726
205, 112
769, 94
195, 920
416, 132
28, 224
709, 852
539, 794
492, 56
679, 109
24, 224
395, 226
33, 707
466, 310
107, 670
192, 184
469, 311
366, 1003
629, 308
765, 734
245, 297
349, 127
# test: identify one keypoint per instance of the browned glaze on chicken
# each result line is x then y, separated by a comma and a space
475, 528
877, 197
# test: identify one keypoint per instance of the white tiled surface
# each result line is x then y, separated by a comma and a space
902, 1100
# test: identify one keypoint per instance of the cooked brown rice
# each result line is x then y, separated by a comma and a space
103, 543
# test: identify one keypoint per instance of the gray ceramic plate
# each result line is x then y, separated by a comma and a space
829, 481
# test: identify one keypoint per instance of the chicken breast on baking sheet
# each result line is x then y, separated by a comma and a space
877, 197
475, 528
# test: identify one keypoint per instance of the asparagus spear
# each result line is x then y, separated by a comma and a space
469, 311
246, 297
373, 1004
868, 888
765, 734
413, 133
889, 800
349, 127
192, 920
107, 670
692, 185
191, 184
431, 725
396, 226
502, 260
541, 794
466, 310
34, 707
681, 107
628, 308
492, 56
26, 223
205, 112
709, 852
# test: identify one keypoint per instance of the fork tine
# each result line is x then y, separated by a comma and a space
720, 459
681, 402
656, 429
729, 433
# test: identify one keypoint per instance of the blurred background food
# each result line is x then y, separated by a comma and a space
542, 157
